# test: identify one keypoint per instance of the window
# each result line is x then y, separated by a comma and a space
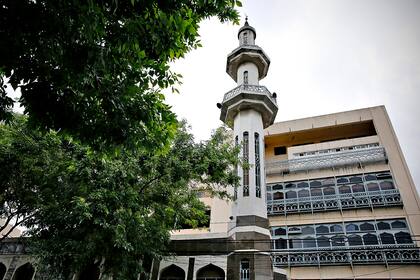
398, 224
366, 227
315, 184
358, 188
244, 269
245, 170
355, 240
280, 243
303, 193
336, 228
245, 77
322, 229
245, 38
338, 241
387, 185
291, 194
403, 238
235, 189
370, 239
387, 238
295, 243
280, 231
352, 227
308, 230
342, 180
277, 187
309, 242
280, 150
302, 185
257, 166
278, 195
323, 241
356, 179
344, 189
329, 191
372, 187
316, 192
383, 225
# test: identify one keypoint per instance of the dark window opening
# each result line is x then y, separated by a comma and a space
282, 150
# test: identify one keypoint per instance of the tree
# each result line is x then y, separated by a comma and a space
94, 69
84, 206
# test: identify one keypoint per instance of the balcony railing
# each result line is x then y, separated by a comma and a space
368, 155
253, 89
334, 202
374, 255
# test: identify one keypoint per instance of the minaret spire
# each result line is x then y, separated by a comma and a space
248, 109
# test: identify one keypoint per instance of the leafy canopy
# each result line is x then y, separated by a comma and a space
94, 69
84, 206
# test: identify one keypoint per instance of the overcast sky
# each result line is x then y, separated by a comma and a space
326, 56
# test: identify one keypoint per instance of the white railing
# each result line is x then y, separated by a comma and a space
368, 155
253, 89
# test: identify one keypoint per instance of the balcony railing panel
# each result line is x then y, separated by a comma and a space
334, 202
252, 89
378, 255
363, 156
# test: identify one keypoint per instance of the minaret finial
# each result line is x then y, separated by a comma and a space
246, 19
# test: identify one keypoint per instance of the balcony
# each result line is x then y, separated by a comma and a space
374, 255
363, 156
335, 202
250, 89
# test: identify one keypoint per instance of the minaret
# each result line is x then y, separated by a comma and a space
248, 109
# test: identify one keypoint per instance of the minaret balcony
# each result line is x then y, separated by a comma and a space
346, 158
244, 97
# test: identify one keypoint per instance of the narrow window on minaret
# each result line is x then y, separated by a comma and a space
245, 77
245, 270
245, 147
257, 166
235, 189
245, 38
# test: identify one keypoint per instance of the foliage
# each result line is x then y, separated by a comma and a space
94, 69
84, 206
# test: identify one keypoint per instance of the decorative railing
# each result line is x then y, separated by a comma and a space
368, 155
253, 89
334, 202
374, 255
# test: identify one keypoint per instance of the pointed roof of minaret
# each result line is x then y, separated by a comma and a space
247, 27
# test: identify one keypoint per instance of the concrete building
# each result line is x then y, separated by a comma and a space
336, 200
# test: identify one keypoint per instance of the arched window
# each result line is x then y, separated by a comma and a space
235, 189
257, 165
303, 193
328, 191
245, 151
316, 192
290, 185
387, 238
344, 189
245, 38
336, 228
366, 227
370, 239
278, 187
269, 196
403, 238
280, 231
338, 241
356, 179
352, 227
398, 224
210, 272
244, 270
245, 77
342, 180
355, 240
309, 242
372, 187
291, 194
383, 225
322, 229
295, 243
2, 270
25, 272
315, 183
280, 243
172, 272
308, 230
387, 185
370, 177
323, 241
302, 185
278, 195
358, 188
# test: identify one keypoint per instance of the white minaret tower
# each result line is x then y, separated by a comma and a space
248, 109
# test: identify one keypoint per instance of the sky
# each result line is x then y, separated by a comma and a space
326, 57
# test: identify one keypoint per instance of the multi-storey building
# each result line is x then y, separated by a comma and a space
326, 197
